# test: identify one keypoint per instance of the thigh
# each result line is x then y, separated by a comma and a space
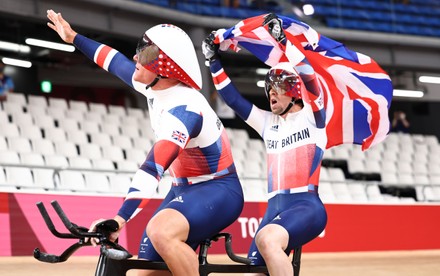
208, 207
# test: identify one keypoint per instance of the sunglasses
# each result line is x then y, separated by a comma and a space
146, 50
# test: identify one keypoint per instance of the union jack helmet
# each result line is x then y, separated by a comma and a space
283, 79
168, 51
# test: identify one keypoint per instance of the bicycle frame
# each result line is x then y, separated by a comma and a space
114, 260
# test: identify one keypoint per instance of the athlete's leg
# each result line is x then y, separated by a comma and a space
272, 241
168, 231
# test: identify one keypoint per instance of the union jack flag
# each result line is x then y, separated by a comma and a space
358, 91
179, 136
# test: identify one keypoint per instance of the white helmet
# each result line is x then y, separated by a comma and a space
168, 51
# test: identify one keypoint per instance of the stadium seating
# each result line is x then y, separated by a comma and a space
51, 150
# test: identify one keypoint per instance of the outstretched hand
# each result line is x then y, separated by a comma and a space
61, 26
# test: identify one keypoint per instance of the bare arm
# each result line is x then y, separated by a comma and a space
61, 26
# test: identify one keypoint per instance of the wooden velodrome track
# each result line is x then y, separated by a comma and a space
392, 263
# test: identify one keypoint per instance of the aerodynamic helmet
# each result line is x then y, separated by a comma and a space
168, 51
283, 79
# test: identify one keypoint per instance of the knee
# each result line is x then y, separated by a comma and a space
264, 243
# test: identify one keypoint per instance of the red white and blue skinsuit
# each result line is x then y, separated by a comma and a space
294, 147
191, 143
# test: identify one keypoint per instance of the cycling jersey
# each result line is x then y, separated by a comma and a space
190, 139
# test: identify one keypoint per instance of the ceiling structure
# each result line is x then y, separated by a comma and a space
119, 23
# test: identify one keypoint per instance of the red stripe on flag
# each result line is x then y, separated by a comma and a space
103, 55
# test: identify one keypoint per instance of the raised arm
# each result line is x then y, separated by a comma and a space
312, 93
106, 57
247, 111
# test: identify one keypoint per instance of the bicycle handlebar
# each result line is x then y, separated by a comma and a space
102, 233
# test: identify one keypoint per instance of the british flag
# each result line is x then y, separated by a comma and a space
179, 136
358, 91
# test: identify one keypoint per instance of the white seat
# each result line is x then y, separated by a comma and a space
389, 178
101, 139
355, 166
336, 174
80, 163
373, 155
103, 164
405, 178
93, 116
142, 143
113, 153
323, 175
43, 146
56, 112
147, 132
77, 137
39, 101
78, 105
135, 155
44, 121
10, 130
31, 132
36, 110
19, 144
90, 126
111, 119
18, 98
358, 154
420, 168
97, 182
129, 120
390, 156
253, 168
357, 191
122, 141
71, 180
404, 167
9, 157
434, 180
164, 186
422, 179
12, 108
68, 124
119, 183
372, 166
257, 145
66, 148
4, 118
431, 140
44, 178
91, 151
22, 119
341, 153
255, 190
254, 154
56, 160
110, 128
420, 158
55, 134
239, 143
32, 159
135, 112
19, 177
117, 109
77, 115
130, 131
372, 190
127, 165
58, 102
3, 144
405, 156
325, 188
98, 107
388, 166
